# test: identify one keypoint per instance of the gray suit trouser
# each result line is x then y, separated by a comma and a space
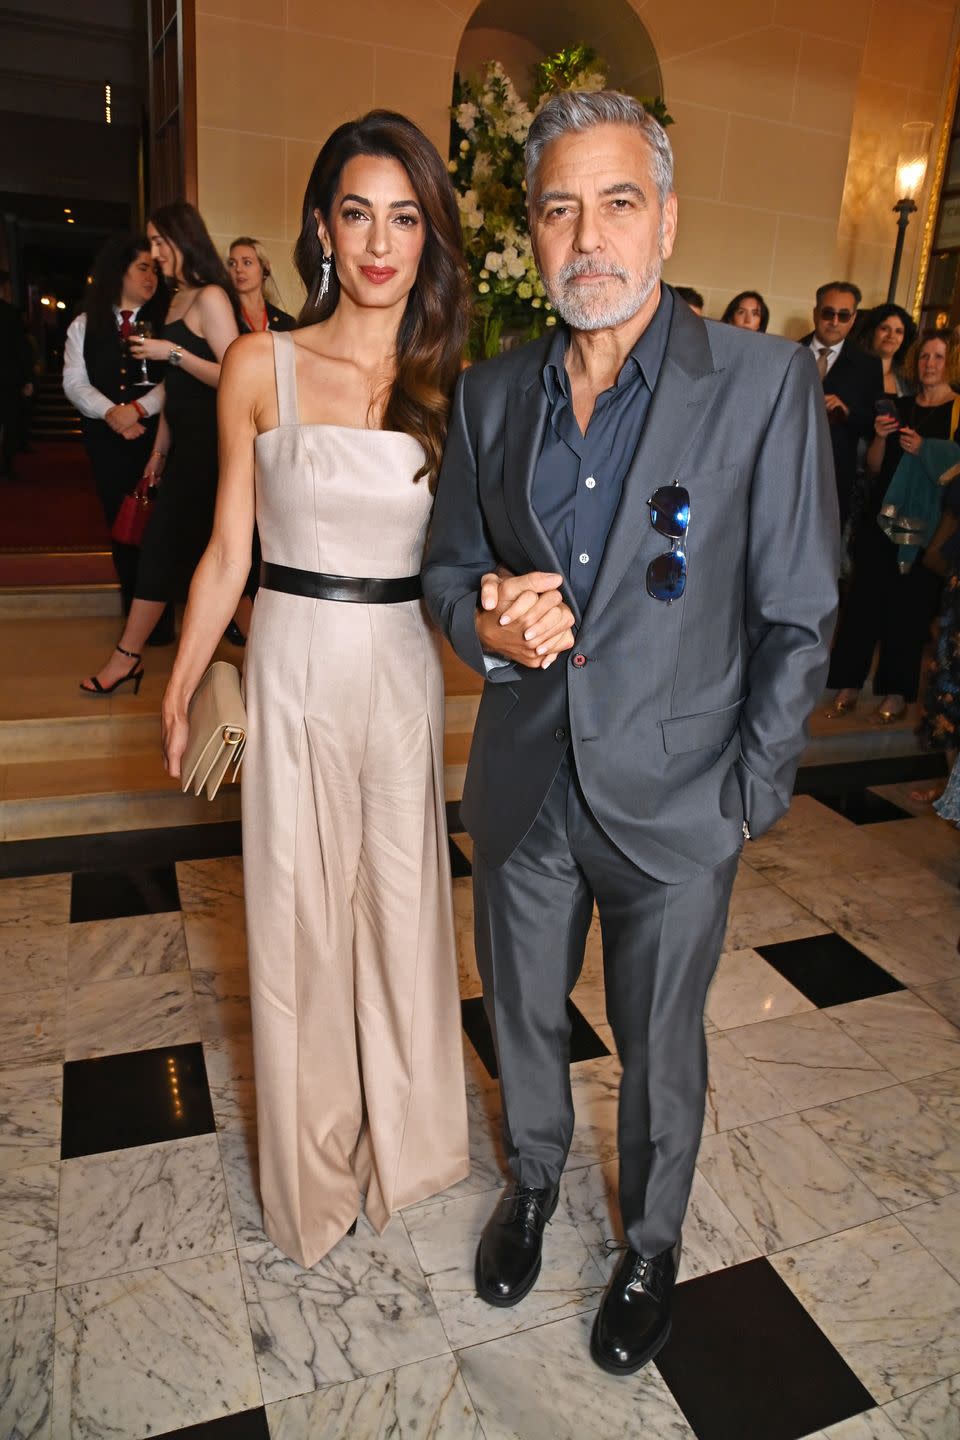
661, 944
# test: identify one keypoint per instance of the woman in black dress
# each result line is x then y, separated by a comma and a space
884, 606
201, 323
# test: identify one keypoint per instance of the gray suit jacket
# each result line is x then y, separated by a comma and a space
687, 718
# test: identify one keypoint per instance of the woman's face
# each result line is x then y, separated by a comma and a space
888, 337
932, 362
376, 232
246, 272
166, 254
139, 280
747, 314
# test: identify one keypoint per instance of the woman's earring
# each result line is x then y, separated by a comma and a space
325, 265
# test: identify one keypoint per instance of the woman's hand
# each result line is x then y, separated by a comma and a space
153, 470
143, 349
122, 418
910, 440
174, 732
886, 425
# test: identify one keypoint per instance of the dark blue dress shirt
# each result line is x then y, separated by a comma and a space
579, 478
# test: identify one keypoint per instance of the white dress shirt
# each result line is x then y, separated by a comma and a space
84, 396
832, 351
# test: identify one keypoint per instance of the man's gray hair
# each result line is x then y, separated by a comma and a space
578, 110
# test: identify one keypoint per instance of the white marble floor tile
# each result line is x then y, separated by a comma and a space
763, 914
217, 941
937, 1227
140, 1013
152, 1351
34, 901
364, 1308
890, 1309
784, 1184
712, 1237
591, 1000
944, 997
542, 1385
902, 1032
926, 841
445, 1240
238, 1154
747, 989
940, 1094
229, 1064
809, 1060
33, 959
26, 1366
595, 1085
206, 885
737, 1093
428, 1399
222, 1002
470, 986
871, 1425
929, 1414
30, 1104
28, 1229
130, 945
31, 1028
897, 1145
149, 1205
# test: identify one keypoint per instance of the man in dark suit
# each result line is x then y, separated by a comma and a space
635, 540
852, 380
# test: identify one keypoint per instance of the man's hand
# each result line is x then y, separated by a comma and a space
122, 418
835, 404
524, 618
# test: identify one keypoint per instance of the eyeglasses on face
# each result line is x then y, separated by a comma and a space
828, 313
669, 508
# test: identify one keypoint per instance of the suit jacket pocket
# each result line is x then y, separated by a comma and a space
496, 703
700, 732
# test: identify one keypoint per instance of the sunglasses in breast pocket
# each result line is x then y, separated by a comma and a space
669, 508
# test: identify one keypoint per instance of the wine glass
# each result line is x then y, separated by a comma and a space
144, 329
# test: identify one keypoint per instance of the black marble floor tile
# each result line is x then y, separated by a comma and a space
248, 1425
861, 806
119, 849
454, 823
460, 866
859, 774
106, 894
745, 1359
829, 970
585, 1043
141, 1098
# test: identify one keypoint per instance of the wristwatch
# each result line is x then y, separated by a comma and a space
175, 356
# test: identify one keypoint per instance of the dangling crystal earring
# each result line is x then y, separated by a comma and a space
325, 265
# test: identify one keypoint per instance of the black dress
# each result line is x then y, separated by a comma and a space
179, 529
883, 606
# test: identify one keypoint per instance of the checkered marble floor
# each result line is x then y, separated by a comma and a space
821, 1272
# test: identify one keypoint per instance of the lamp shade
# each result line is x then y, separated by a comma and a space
912, 160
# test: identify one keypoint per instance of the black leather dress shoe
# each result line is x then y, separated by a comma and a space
633, 1321
508, 1256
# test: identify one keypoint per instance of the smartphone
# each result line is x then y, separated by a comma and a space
885, 407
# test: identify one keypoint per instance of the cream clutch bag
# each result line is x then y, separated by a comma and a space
218, 731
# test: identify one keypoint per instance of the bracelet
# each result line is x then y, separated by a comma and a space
139, 409
162, 454
175, 356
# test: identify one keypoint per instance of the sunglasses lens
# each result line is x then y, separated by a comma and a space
670, 511
667, 576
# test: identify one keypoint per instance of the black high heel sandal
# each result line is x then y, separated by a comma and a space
135, 674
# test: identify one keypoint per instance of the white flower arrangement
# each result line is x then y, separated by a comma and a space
490, 125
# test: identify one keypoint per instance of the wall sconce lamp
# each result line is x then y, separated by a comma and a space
911, 173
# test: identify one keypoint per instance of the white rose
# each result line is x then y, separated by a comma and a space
484, 288
525, 291
516, 269
536, 302
493, 261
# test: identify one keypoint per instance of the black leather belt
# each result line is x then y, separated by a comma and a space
317, 586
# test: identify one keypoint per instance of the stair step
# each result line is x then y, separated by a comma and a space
74, 602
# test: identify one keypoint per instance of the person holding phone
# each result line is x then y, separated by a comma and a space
885, 607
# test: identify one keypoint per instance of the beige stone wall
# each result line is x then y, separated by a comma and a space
788, 123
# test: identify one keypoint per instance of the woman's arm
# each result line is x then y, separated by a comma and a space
157, 459
219, 579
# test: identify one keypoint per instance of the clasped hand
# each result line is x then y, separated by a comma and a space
124, 420
524, 618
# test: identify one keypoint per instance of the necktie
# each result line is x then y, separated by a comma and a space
126, 316
823, 362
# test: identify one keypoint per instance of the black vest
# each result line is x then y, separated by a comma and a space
113, 370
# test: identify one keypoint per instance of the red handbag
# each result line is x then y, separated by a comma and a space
130, 524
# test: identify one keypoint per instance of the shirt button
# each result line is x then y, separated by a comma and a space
579, 660
584, 558
559, 734
590, 482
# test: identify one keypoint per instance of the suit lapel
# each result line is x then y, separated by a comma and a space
527, 417
680, 404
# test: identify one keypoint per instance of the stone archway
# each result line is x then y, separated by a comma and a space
520, 35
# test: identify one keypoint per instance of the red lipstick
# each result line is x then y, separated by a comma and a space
378, 274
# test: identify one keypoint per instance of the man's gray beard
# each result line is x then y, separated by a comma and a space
583, 311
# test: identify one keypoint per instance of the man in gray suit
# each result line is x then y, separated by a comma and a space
635, 541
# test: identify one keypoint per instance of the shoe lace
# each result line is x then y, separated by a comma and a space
526, 1206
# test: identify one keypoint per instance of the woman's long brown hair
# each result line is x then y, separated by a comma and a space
433, 330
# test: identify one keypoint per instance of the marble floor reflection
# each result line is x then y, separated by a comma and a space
140, 1297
